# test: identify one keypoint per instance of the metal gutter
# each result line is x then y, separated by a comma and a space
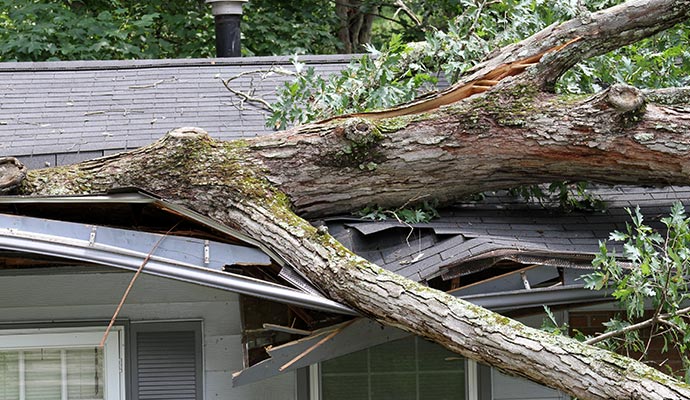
516, 299
172, 259
132, 195
136, 196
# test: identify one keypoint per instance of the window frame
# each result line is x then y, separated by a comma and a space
475, 381
65, 338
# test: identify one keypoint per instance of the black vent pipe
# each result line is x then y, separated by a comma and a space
227, 14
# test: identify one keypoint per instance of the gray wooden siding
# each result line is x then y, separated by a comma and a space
72, 297
504, 387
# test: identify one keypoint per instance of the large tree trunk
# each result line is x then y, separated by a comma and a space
513, 134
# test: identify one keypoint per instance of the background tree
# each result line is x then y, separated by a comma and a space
273, 27
37, 30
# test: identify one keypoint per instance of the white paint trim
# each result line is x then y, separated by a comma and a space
22, 371
63, 373
472, 380
315, 382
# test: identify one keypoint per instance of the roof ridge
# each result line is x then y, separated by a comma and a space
90, 65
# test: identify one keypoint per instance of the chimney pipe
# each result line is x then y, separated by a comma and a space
228, 14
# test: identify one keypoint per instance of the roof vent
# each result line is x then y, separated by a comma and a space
228, 14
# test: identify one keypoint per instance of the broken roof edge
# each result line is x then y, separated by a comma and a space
95, 65
40, 236
342, 339
361, 333
133, 195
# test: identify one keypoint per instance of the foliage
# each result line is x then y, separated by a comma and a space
32, 30
568, 196
400, 70
551, 325
271, 27
656, 272
415, 214
374, 81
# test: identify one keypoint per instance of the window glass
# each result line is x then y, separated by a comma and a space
433, 357
406, 369
85, 373
350, 363
345, 387
9, 375
52, 374
41, 379
395, 356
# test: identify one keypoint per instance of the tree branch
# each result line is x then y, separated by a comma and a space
602, 32
249, 96
223, 181
503, 138
662, 318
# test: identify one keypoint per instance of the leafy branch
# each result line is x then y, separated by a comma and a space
568, 196
420, 213
654, 270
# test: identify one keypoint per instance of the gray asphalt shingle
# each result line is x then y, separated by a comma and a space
471, 232
80, 107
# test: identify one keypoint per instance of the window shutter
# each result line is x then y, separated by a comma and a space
166, 361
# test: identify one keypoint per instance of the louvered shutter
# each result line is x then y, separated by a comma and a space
166, 362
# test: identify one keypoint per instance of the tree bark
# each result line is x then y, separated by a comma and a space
516, 133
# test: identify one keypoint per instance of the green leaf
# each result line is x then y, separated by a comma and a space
618, 236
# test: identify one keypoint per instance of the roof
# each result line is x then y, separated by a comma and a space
469, 238
56, 113
498, 253
60, 112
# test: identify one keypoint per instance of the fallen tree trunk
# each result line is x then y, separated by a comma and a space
510, 136
214, 178
515, 133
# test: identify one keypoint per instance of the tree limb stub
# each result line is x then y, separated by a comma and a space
12, 173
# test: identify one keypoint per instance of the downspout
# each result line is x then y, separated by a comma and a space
228, 15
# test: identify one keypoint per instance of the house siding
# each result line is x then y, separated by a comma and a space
42, 298
504, 387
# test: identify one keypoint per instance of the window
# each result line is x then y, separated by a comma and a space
405, 369
60, 364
